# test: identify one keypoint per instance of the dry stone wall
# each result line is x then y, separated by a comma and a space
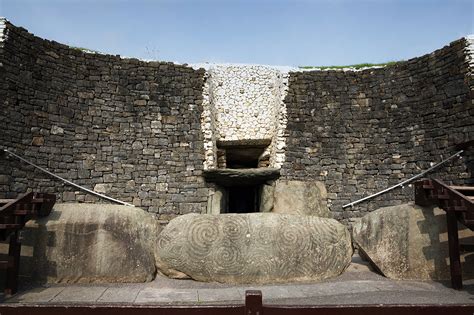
127, 128
143, 132
362, 131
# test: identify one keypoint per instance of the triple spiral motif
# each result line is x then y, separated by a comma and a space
254, 248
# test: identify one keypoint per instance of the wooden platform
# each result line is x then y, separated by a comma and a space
14, 213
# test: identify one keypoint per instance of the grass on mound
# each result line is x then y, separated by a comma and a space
356, 66
87, 50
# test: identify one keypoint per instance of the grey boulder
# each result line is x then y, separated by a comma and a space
90, 243
300, 197
408, 242
253, 248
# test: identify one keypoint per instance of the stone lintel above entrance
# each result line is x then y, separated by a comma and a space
243, 143
241, 177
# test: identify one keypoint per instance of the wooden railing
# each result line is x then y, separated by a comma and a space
458, 202
14, 213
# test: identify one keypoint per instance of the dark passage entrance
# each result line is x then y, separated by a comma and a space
243, 199
243, 158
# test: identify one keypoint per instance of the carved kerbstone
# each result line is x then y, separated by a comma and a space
253, 248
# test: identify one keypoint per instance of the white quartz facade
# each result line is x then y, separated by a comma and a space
244, 104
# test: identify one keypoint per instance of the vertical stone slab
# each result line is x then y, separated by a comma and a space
300, 197
409, 242
85, 243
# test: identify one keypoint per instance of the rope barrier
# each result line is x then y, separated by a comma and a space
351, 204
67, 181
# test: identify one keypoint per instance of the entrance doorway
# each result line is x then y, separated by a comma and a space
243, 199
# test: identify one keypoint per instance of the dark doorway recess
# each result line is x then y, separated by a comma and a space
243, 157
243, 199
243, 154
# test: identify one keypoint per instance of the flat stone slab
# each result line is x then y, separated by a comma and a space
236, 177
244, 143
253, 248
126, 294
300, 197
80, 294
334, 292
156, 295
37, 295
355, 286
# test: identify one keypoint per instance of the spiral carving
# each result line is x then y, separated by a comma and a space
293, 238
226, 260
235, 228
264, 236
201, 234
254, 248
164, 241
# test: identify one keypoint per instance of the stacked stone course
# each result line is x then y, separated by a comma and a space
143, 132
123, 127
362, 131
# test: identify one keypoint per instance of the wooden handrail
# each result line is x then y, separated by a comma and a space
453, 195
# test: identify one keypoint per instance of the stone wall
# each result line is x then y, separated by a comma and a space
362, 131
127, 128
143, 132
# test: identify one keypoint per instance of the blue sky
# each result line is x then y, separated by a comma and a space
299, 32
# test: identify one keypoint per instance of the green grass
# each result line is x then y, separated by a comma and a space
87, 50
356, 66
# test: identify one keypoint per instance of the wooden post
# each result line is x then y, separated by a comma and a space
253, 302
454, 256
422, 195
14, 251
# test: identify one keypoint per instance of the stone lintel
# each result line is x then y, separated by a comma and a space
244, 143
241, 177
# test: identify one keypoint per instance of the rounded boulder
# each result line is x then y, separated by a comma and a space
253, 248
90, 243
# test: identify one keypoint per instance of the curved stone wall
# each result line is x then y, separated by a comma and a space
124, 127
362, 131
143, 132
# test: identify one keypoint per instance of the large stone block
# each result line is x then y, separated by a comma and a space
87, 243
253, 248
300, 197
409, 242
